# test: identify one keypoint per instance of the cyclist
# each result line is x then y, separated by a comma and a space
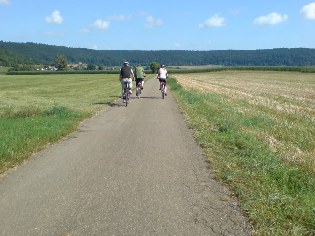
139, 74
126, 75
162, 76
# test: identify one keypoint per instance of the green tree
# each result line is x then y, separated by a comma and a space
61, 62
154, 66
91, 67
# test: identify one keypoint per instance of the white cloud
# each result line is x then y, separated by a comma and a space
308, 11
152, 22
100, 24
119, 18
4, 2
273, 18
54, 18
214, 21
104, 24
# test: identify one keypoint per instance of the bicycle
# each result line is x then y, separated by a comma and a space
126, 95
163, 89
138, 89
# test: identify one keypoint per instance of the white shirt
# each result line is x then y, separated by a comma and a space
162, 73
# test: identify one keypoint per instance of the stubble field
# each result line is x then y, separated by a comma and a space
278, 95
257, 130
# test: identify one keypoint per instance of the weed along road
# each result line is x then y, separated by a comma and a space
132, 170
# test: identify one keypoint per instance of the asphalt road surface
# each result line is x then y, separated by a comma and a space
132, 170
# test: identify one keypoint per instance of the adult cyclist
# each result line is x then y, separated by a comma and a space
162, 76
126, 75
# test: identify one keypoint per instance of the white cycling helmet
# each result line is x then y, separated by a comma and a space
126, 63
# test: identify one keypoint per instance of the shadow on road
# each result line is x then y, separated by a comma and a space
111, 104
149, 97
119, 103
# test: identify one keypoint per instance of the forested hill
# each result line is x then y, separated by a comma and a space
45, 54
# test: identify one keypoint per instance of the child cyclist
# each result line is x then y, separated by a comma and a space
139, 74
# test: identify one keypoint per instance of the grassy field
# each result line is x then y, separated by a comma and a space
37, 110
257, 130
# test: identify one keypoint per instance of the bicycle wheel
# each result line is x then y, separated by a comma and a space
138, 91
163, 90
127, 97
139, 88
126, 93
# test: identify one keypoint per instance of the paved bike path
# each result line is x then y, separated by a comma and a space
132, 170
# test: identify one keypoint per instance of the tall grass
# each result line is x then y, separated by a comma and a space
37, 110
254, 150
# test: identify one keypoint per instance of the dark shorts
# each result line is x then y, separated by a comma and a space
138, 80
162, 80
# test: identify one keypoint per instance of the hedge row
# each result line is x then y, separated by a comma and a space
308, 69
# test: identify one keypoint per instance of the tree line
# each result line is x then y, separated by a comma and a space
12, 53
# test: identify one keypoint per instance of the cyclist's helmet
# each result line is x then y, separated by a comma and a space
126, 63
162, 66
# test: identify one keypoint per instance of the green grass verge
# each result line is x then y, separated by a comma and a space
41, 109
27, 131
277, 196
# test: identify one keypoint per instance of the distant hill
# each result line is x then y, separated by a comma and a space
9, 58
29, 53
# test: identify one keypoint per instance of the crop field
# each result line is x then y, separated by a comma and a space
278, 95
3, 69
257, 130
194, 67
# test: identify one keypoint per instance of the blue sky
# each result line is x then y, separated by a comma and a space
160, 25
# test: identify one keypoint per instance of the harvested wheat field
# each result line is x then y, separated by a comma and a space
257, 130
278, 93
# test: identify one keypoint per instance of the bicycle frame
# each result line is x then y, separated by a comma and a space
138, 89
126, 93
163, 89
